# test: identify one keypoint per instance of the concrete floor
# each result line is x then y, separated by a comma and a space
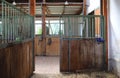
48, 67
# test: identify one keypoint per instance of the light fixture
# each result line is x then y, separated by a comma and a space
14, 3
66, 3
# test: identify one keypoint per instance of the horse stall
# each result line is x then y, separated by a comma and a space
82, 44
16, 42
52, 39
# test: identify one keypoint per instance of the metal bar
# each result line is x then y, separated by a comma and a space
93, 27
16, 25
2, 22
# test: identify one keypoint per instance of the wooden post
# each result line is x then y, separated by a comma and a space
32, 7
84, 7
43, 28
104, 12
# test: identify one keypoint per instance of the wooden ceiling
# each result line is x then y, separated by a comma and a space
38, 1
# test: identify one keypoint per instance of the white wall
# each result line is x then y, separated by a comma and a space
114, 35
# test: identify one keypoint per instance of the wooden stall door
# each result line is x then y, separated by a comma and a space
53, 46
81, 54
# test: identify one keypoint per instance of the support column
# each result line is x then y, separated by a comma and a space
32, 6
104, 12
43, 29
84, 7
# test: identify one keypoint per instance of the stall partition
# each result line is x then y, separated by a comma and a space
16, 42
82, 43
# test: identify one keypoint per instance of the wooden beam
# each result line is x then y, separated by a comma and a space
43, 29
62, 4
53, 4
32, 7
104, 12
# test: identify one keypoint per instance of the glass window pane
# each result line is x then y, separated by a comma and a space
38, 28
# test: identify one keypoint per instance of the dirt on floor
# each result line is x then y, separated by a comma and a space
77, 75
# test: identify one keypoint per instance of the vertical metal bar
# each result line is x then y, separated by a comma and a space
85, 33
8, 23
32, 28
69, 27
100, 28
59, 27
13, 24
10, 19
18, 24
27, 26
104, 44
5, 25
88, 28
2, 21
69, 40
93, 27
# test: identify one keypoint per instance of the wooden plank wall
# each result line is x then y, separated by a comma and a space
38, 46
16, 61
52, 49
81, 54
64, 62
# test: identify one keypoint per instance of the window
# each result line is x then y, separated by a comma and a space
38, 27
55, 27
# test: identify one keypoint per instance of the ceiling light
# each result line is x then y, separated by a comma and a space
14, 3
66, 3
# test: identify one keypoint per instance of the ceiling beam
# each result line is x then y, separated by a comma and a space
62, 4
55, 15
54, 4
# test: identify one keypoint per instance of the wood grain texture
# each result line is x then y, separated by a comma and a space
104, 11
74, 55
85, 54
16, 61
99, 55
4, 63
51, 50
38, 46
64, 56
54, 48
